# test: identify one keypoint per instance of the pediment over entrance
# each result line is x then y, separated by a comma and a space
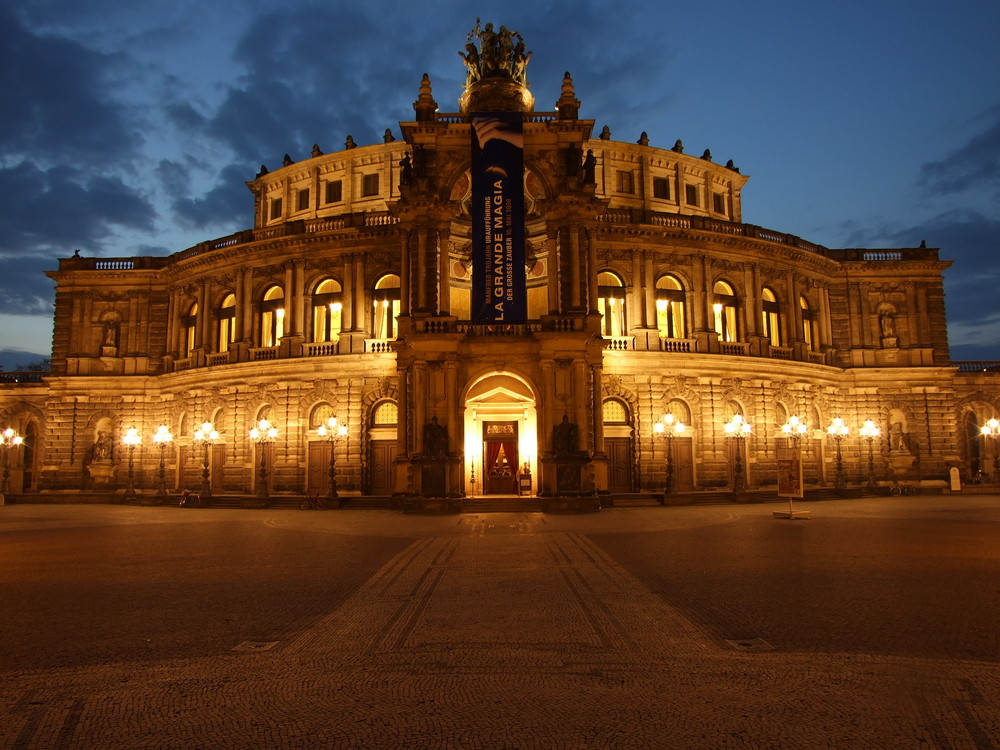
500, 389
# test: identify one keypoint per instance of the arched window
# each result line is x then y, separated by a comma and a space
272, 317
319, 415
670, 307
771, 313
385, 302
326, 304
227, 323
724, 310
615, 412
385, 414
611, 304
808, 324
189, 323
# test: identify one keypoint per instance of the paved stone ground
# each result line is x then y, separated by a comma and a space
872, 625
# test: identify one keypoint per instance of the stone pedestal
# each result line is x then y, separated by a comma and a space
102, 473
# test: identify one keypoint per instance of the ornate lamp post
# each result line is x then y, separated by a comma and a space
205, 436
333, 432
869, 431
669, 427
131, 439
263, 434
738, 429
162, 437
794, 429
990, 430
10, 440
838, 430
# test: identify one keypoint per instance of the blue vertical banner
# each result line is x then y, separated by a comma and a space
499, 289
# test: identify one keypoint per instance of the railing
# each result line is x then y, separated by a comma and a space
817, 358
321, 349
990, 366
781, 352
182, 364
378, 346
22, 376
679, 346
218, 358
620, 343
734, 348
499, 329
263, 353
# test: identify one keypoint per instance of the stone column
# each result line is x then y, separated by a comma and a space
444, 270
404, 272
591, 272
349, 302
553, 270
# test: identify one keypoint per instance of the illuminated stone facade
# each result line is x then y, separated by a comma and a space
350, 296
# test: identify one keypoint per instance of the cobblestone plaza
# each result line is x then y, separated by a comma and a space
871, 625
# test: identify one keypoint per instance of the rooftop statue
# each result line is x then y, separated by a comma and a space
500, 54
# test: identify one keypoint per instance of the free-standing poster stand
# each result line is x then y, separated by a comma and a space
790, 482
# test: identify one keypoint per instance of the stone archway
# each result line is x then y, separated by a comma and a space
501, 428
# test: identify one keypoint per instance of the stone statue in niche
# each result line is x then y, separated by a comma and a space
102, 446
110, 333
565, 438
435, 439
887, 324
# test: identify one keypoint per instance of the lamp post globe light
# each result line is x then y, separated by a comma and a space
263, 434
163, 438
669, 427
131, 439
869, 431
794, 429
10, 440
205, 436
838, 431
738, 429
991, 430
332, 431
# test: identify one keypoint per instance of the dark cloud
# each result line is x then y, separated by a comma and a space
56, 101
973, 166
229, 203
26, 290
58, 209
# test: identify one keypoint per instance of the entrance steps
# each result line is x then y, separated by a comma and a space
501, 504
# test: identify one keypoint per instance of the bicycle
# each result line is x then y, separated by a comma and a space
898, 489
190, 499
313, 502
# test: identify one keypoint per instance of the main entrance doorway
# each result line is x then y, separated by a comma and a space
500, 435
500, 458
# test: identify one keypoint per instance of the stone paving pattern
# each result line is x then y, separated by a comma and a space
872, 625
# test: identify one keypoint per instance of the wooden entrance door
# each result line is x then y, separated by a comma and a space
381, 461
619, 450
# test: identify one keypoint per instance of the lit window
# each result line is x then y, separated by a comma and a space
670, 307
615, 412
386, 413
189, 324
771, 317
227, 323
724, 311
611, 304
272, 319
326, 306
808, 325
385, 304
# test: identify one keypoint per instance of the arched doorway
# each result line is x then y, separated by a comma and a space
501, 430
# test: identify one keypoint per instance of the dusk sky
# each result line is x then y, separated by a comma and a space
130, 128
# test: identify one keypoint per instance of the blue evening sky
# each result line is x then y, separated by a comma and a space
129, 128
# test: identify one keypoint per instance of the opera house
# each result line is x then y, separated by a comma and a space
501, 302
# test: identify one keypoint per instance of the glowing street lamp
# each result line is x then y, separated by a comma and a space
131, 439
991, 430
869, 431
263, 434
794, 429
205, 436
333, 432
738, 429
838, 431
669, 427
162, 438
10, 440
